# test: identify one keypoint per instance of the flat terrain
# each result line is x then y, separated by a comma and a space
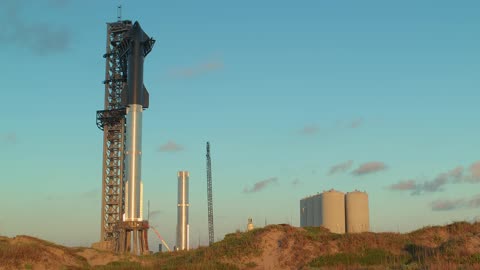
454, 246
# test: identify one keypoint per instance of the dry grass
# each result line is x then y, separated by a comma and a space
454, 246
24, 252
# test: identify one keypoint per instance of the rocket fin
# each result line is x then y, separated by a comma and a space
146, 98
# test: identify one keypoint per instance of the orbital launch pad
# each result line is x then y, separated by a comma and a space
122, 226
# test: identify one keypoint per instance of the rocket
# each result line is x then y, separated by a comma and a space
135, 47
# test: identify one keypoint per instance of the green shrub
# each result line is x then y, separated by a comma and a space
368, 257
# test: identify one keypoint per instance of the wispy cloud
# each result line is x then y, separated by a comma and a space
40, 37
432, 186
404, 185
473, 175
10, 137
447, 205
296, 182
454, 176
437, 184
341, 167
356, 123
370, 167
210, 65
261, 185
170, 146
309, 130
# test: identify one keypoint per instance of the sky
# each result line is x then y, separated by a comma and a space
295, 97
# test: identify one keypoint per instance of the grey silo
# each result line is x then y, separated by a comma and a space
310, 211
317, 204
303, 213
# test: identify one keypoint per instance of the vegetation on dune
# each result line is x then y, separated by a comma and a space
454, 246
122, 265
368, 257
24, 251
13, 255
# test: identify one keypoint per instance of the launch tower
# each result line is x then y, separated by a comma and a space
122, 226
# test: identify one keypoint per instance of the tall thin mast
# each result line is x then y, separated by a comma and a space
211, 237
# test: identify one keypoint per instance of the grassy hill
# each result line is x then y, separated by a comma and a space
454, 246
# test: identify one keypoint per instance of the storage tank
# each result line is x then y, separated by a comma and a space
303, 212
317, 210
357, 213
332, 216
310, 212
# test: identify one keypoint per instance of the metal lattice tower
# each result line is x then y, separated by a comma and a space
211, 237
112, 121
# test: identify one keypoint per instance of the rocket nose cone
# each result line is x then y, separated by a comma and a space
137, 31
136, 25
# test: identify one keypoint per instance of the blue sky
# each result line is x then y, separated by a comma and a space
283, 90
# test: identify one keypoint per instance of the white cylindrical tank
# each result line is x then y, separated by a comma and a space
317, 210
310, 212
332, 205
357, 213
303, 213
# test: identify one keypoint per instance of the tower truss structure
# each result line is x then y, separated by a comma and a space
211, 237
112, 121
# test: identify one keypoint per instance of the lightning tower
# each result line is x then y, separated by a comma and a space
211, 237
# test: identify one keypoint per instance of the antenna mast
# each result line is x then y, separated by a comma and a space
211, 237
119, 13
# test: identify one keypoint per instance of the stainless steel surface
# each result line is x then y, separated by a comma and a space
182, 211
133, 155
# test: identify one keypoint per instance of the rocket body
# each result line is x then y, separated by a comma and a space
133, 163
136, 100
